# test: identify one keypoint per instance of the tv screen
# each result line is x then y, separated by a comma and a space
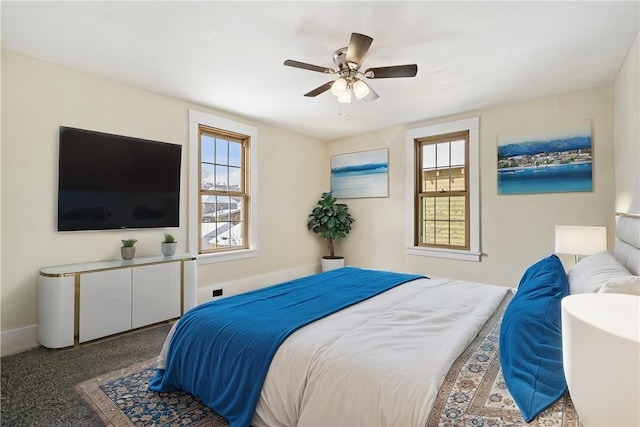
109, 181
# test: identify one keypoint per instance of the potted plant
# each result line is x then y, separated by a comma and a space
331, 221
168, 245
128, 250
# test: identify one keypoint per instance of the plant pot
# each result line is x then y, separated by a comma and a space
128, 252
168, 249
331, 263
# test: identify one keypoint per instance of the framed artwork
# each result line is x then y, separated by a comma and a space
557, 161
362, 174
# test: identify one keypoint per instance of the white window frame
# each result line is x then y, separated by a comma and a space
197, 118
472, 125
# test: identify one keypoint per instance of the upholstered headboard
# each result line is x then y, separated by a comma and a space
627, 246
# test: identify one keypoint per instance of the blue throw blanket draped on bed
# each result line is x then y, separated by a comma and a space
221, 350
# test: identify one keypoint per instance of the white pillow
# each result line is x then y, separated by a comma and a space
622, 285
589, 274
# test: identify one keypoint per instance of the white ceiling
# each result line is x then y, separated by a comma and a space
229, 55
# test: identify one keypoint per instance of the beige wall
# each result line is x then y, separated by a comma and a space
627, 132
38, 97
516, 230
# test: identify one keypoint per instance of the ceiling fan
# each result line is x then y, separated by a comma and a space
348, 61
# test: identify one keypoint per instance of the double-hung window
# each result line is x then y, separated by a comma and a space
443, 203
223, 190
442, 197
224, 193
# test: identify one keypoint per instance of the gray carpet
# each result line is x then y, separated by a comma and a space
37, 386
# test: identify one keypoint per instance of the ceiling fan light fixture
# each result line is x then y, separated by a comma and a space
345, 97
339, 87
347, 61
361, 89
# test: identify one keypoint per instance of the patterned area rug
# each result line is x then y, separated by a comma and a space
121, 398
474, 392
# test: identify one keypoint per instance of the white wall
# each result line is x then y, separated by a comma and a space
627, 132
516, 230
38, 97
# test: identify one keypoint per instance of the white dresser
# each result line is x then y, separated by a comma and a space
601, 356
83, 302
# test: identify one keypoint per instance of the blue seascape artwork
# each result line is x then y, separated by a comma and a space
357, 175
557, 162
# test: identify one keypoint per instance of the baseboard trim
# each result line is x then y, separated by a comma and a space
17, 340
254, 282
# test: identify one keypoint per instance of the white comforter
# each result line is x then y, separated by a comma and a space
377, 363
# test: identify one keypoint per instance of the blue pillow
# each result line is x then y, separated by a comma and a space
531, 338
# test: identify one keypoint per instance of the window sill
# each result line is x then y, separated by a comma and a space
445, 253
226, 256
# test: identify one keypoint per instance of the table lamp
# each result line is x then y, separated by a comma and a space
580, 240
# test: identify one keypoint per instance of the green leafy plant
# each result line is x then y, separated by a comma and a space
330, 220
168, 238
128, 243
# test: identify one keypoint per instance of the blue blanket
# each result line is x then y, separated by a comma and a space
221, 350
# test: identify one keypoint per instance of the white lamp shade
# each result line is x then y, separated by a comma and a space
345, 97
578, 240
360, 89
339, 87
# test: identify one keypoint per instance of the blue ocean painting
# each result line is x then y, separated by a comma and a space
556, 163
357, 175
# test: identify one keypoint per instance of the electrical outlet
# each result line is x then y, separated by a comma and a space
217, 293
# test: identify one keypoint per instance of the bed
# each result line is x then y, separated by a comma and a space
406, 351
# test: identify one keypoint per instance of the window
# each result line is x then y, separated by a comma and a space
443, 197
222, 188
224, 194
442, 213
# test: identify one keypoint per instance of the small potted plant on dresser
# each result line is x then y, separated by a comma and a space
168, 245
331, 221
128, 249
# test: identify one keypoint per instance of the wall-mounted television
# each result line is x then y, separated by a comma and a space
110, 181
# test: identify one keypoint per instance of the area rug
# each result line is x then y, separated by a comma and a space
121, 398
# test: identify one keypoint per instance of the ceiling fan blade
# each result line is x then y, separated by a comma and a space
305, 66
320, 89
390, 72
358, 48
371, 96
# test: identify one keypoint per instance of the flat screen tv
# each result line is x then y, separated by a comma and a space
109, 181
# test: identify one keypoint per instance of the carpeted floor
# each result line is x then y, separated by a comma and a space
37, 387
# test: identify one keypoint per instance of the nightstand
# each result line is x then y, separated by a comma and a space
601, 354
